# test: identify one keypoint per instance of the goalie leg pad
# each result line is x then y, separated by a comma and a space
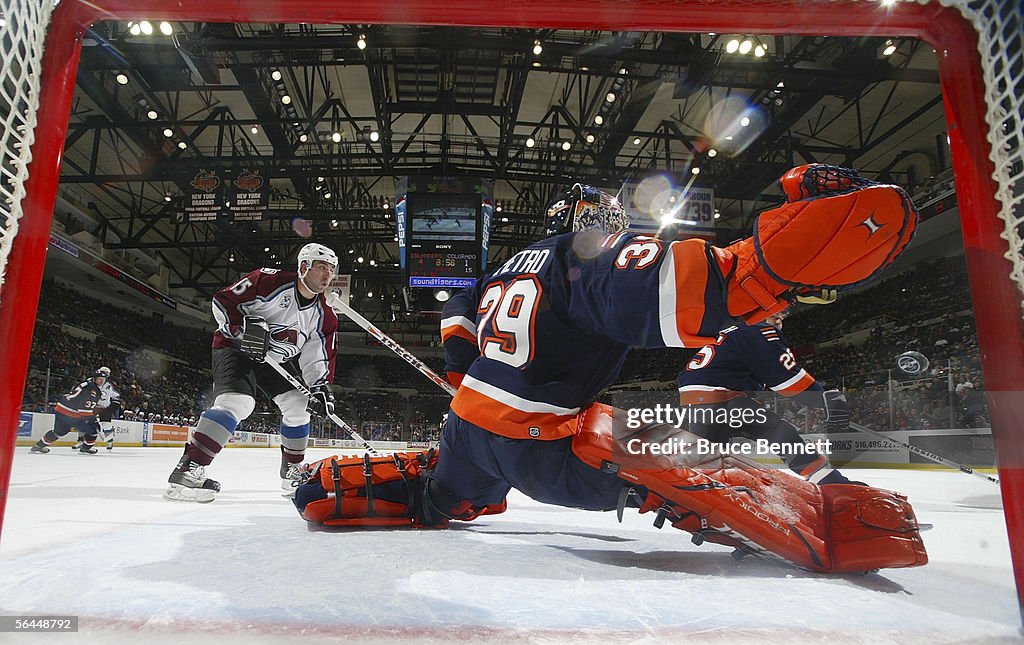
388, 490
740, 503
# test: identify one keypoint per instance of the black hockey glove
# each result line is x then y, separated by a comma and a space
255, 338
322, 402
837, 412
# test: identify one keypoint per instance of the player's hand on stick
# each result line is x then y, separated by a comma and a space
321, 403
255, 338
837, 411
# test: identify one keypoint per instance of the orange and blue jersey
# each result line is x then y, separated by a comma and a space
81, 402
539, 337
744, 359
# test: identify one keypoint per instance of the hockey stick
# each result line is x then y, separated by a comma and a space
335, 302
294, 382
924, 453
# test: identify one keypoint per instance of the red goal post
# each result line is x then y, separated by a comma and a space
978, 45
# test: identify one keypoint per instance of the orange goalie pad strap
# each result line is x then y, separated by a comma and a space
372, 491
737, 501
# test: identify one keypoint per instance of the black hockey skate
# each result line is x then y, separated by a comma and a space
41, 450
188, 483
86, 449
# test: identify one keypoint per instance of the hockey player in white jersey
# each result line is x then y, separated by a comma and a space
268, 315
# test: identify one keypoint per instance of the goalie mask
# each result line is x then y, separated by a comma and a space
584, 208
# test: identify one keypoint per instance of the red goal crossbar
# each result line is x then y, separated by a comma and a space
997, 302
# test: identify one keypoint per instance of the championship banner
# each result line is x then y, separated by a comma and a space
206, 199
692, 212
342, 285
248, 196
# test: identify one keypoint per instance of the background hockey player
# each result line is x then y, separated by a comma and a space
108, 409
533, 343
268, 315
755, 358
76, 410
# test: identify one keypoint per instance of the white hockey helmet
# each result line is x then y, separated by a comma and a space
314, 251
103, 371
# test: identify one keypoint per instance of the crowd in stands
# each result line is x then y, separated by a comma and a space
162, 370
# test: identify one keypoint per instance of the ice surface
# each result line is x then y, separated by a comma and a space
90, 536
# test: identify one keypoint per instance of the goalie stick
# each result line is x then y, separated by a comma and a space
335, 302
924, 453
294, 382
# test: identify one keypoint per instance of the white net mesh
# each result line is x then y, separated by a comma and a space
999, 24
21, 52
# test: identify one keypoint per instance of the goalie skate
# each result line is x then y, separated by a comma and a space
188, 483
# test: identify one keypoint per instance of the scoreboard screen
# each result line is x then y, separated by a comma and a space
444, 241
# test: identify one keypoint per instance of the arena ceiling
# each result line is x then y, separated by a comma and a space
153, 109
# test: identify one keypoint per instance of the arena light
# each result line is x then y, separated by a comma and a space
374, 136
530, 142
276, 75
695, 170
566, 146
890, 48
369, 294
153, 115
732, 46
146, 27
537, 48
361, 43
336, 137
359, 259
254, 129
327, 195
718, 215
598, 119
590, 138
636, 141
286, 99
442, 295
167, 198
610, 97
182, 145
745, 121
712, 152
745, 46
166, 28
759, 51
134, 28
303, 138
168, 133
121, 78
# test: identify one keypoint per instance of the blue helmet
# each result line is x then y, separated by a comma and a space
584, 208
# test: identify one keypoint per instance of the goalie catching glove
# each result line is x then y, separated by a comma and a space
321, 401
255, 338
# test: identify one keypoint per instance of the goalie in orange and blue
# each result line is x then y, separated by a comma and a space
533, 343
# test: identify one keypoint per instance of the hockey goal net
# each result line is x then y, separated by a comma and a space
978, 44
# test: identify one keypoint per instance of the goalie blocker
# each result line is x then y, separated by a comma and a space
727, 500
